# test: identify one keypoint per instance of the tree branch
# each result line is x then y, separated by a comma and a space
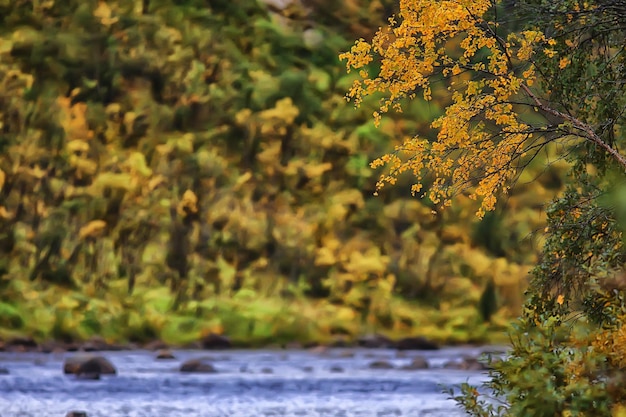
588, 131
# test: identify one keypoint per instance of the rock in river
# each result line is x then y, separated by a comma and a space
418, 362
380, 365
76, 414
198, 366
165, 354
84, 366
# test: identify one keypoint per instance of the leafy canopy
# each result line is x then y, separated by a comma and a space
485, 136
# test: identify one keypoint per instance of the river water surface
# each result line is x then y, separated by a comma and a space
336, 383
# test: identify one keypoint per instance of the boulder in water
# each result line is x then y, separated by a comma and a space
380, 365
198, 366
76, 414
165, 354
84, 366
418, 362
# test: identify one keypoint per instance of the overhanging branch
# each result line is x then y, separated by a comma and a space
588, 132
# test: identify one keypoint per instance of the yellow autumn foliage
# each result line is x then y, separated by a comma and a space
466, 155
92, 229
188, 203
372, 261
104, 13
112, 180
258, 153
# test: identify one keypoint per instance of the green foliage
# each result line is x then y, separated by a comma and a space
538, 377
10, 317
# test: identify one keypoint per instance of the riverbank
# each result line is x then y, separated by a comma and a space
220, 342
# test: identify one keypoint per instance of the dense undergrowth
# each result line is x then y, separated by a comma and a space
175, 168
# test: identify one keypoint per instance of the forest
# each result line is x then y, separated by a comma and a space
172, 170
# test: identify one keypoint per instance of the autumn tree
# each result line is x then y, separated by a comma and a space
520, 77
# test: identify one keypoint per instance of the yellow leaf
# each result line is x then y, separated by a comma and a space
183, 143
336, 212
113, 109
164, 149
104, 13
67, 303
37, 172
155, 182
137, 163
92, 229
619, 411
188, 204
344, 314
77, 146
5, 46
349, 197
560, 299
112, 180
83, 166
4, 214
243, 116
3, 178
325, 257
284, 111
242, 180
366, 263
313, 171
270, 155
129, 119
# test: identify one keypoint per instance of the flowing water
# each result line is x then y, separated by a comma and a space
336, 383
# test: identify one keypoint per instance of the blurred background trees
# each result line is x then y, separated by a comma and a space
172, 169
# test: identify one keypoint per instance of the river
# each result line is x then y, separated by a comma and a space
335, 383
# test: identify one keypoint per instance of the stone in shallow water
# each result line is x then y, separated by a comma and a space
76, 414
380, 365
165, 354
418, 362
83, 365
197, 366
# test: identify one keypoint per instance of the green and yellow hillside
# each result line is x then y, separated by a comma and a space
175, 168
